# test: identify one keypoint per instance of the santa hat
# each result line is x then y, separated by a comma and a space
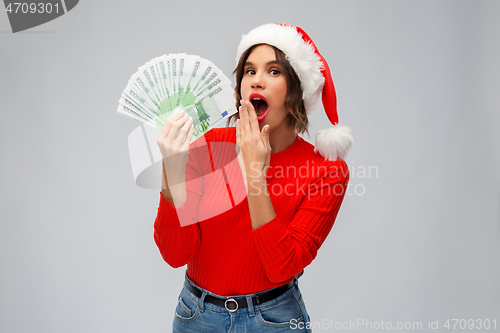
315, 79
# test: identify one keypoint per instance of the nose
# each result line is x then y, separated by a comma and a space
258, 81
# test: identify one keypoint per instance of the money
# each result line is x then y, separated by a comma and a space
170, 83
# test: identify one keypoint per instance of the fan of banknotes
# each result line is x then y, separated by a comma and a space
175, 82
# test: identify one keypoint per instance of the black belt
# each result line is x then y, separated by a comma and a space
232, 304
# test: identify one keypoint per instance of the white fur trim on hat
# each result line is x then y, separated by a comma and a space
302, 57
334, 142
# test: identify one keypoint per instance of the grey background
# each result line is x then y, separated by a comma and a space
417, 81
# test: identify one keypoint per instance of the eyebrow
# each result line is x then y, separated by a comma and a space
273, 62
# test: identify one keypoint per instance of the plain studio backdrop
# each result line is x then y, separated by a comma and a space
416, 239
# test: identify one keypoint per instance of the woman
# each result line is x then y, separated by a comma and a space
246, 221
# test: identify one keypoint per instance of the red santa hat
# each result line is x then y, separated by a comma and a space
315, 79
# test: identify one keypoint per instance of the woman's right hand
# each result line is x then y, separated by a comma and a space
174, 147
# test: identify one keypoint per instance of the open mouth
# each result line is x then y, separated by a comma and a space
260, 105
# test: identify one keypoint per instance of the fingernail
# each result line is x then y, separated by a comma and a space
266, 129
181, 113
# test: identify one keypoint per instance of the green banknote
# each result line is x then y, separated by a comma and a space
170, 83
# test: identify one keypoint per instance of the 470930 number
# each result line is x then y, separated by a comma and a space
25, 8
470, 324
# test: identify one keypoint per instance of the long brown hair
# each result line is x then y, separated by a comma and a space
297, 116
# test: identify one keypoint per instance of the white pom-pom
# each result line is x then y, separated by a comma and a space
334, 142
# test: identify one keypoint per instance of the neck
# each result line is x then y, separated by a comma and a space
281, 140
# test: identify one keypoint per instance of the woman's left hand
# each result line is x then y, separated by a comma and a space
254, 144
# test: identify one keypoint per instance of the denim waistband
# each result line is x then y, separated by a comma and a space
248, 297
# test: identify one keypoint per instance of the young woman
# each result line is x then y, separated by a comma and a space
248, 207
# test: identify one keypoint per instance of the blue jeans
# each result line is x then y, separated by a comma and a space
285, 313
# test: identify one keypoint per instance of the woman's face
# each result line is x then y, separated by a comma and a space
265, 87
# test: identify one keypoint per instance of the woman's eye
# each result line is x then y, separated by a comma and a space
274, 72
250, 71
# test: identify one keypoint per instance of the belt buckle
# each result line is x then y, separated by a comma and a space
231, 300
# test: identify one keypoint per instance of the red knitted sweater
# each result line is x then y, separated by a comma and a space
212, 231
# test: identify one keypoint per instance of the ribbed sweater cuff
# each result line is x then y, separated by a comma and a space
178, 215
164, 203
